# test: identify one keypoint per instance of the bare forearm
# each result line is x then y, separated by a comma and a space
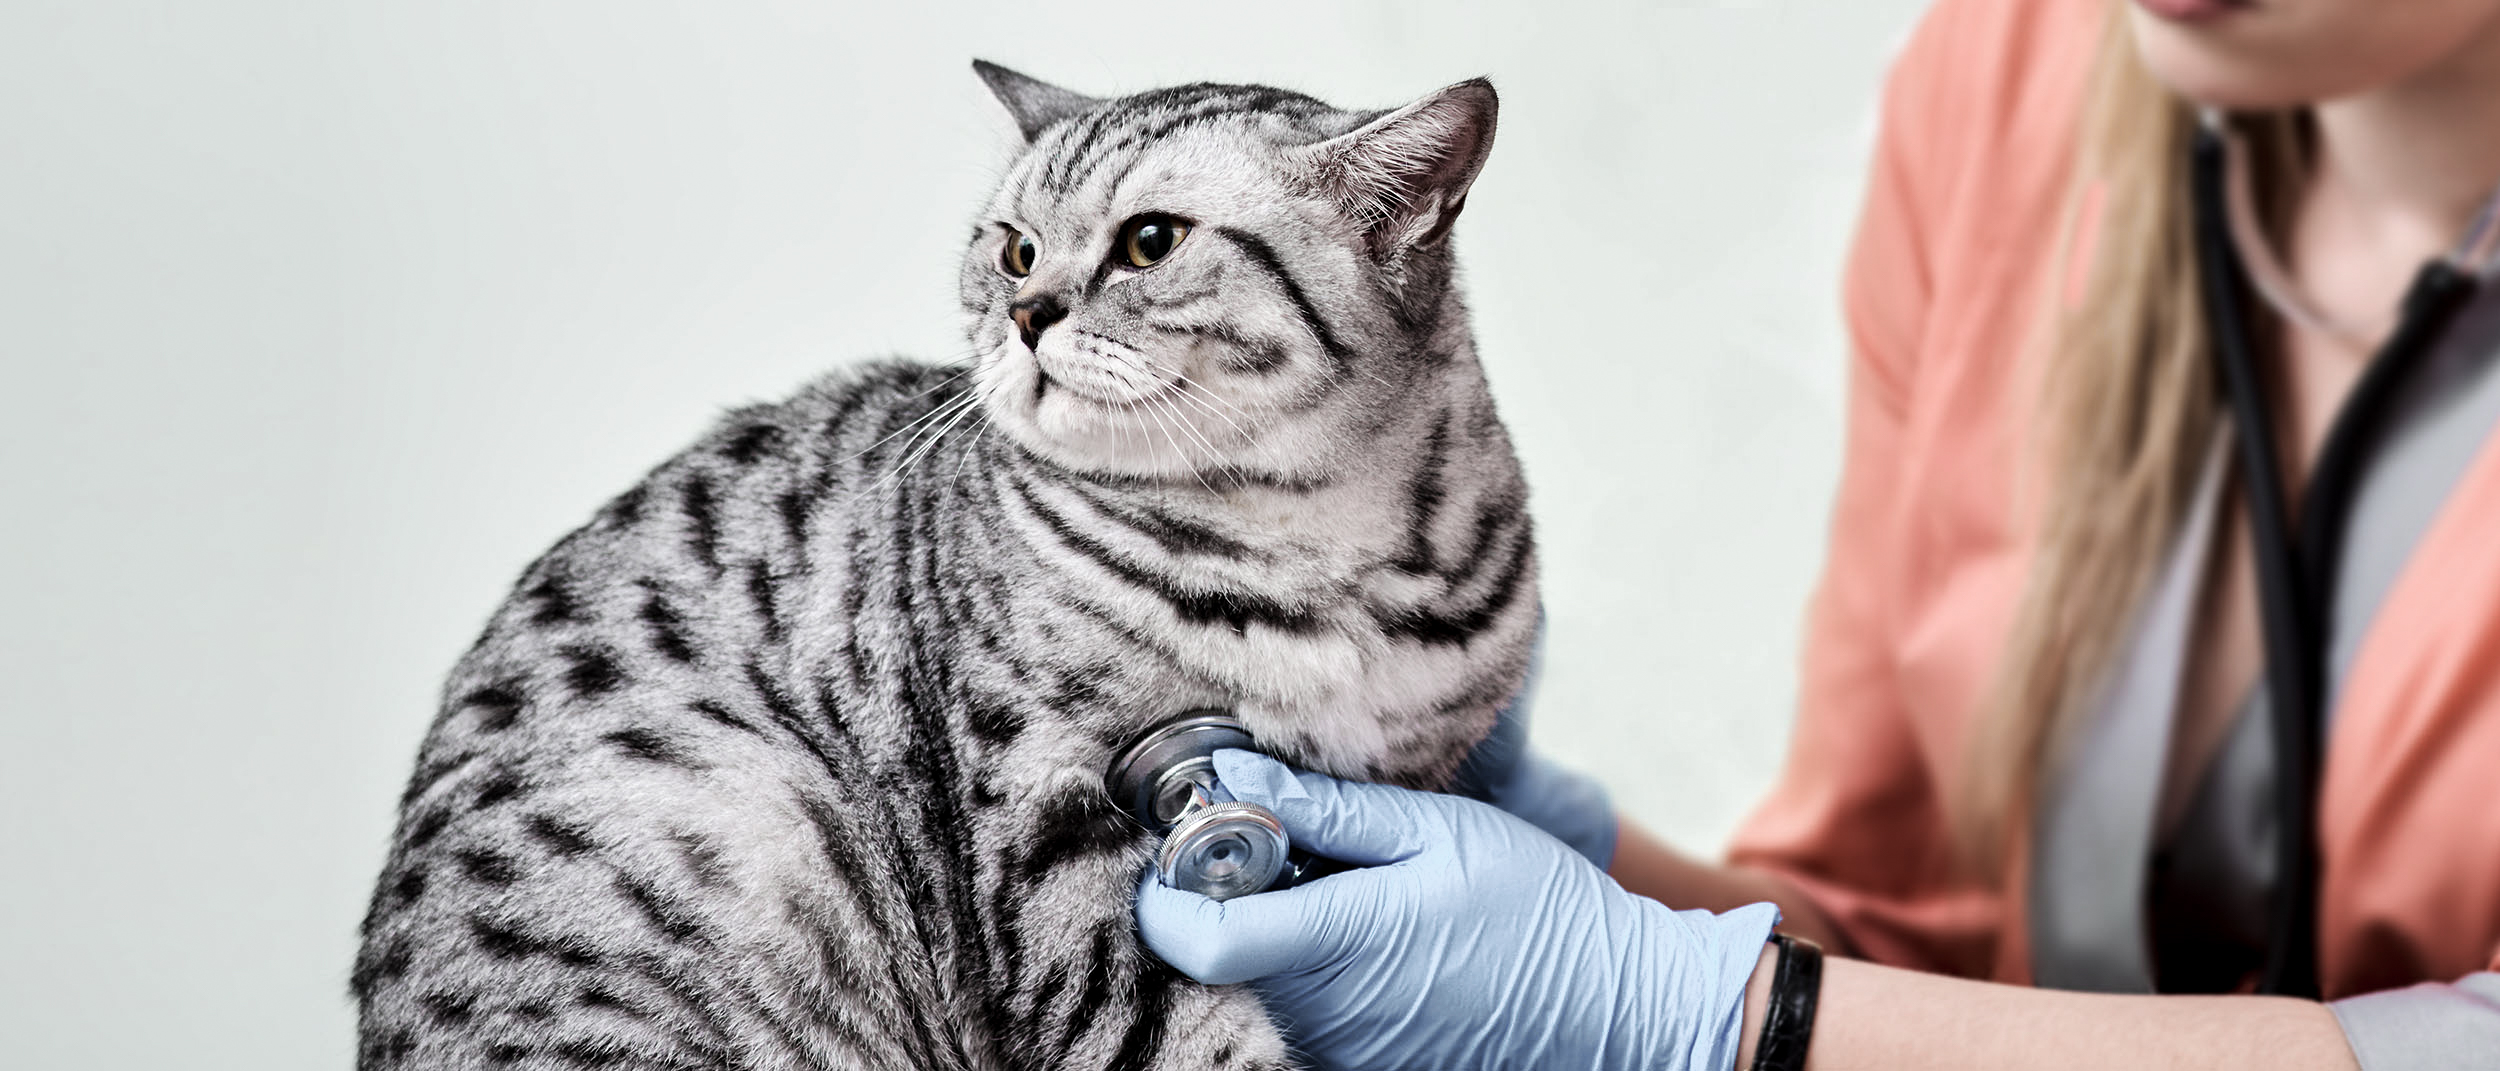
1871, 1017
1648, 867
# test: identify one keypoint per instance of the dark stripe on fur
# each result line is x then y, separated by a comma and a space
652, 745
1253, 356
485, 865
427, 826
1153, 1003
497, 706
668, 630
702, 522
1265, 256
720, 714
752, 443
1074, 826
509, 940
563, 838
505, 784
1235, 610
669, 918
551, 603
1456, 627
760, 591
1173, 534
1424, 494
591, 671
378, 966
703, 860
408, 887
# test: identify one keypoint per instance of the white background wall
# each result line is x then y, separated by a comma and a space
319, 320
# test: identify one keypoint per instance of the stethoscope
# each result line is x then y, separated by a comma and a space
1212, 845
2297, 557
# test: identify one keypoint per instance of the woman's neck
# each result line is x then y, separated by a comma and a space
2410, 164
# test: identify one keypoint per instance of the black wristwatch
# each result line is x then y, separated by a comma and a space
1788, 1019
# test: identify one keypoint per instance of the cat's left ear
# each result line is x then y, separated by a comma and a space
1034, 103
1405, 175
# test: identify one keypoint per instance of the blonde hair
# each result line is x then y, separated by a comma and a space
2127, 406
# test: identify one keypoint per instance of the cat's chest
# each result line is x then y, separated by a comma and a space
1329, 687
1297, 612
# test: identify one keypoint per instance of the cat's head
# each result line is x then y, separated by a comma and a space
1213, 281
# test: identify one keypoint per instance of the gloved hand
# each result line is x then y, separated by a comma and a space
1505, 772
1467, 939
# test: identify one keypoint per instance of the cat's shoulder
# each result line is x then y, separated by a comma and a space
753, 449
751, 477
831, 406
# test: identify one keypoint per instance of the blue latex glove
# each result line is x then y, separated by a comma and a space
1505, 772
1468, 939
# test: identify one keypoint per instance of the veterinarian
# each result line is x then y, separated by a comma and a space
2151, 708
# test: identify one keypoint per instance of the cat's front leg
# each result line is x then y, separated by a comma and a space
1219, 1028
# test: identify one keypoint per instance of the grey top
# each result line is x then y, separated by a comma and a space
2118, 905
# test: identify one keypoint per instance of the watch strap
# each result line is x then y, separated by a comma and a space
1788, 1020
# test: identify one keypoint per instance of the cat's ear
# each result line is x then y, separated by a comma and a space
1034, 103
1405, 175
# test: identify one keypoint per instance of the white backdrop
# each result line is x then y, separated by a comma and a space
321, 320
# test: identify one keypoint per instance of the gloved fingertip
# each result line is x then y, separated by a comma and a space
1223, 943
1349, 821
1256, 778
1180, 927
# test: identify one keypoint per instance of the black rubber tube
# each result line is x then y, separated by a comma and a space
2296, 575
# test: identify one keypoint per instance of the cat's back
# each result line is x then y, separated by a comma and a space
626, 787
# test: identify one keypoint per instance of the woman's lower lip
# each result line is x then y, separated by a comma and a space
2192, 10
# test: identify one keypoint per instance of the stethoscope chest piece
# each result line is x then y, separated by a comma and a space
1215, 847
1224, 850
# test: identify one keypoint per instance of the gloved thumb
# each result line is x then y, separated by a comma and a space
1350, 821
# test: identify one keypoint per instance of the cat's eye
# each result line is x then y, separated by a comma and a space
1146, 240
1020, 254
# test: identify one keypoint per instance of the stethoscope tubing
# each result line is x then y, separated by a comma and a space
2296, 574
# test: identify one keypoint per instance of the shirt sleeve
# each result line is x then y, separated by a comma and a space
1855, 820
2429, 1027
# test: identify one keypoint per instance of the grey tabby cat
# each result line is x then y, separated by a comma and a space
792, 757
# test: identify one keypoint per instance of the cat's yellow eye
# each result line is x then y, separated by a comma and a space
1146, 240
1020, 254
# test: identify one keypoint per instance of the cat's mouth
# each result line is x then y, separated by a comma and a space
1098, 405
1097, 370
1101, 385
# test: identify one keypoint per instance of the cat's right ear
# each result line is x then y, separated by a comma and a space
1034, 103
1404, 175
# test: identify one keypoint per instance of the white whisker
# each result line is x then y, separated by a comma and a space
977, 438
1210, 393
932, 444
923, 418
1181, 419
1187, 383
927, 439
1177, 448
1213, 455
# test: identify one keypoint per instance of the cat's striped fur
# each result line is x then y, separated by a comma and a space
792, 757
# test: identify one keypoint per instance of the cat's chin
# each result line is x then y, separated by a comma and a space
1134, 436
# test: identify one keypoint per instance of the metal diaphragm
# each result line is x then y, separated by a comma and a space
1153, 778
1224, 850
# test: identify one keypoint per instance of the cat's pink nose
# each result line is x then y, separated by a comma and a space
1034, 315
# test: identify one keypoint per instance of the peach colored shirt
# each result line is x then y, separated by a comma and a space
1929, 543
